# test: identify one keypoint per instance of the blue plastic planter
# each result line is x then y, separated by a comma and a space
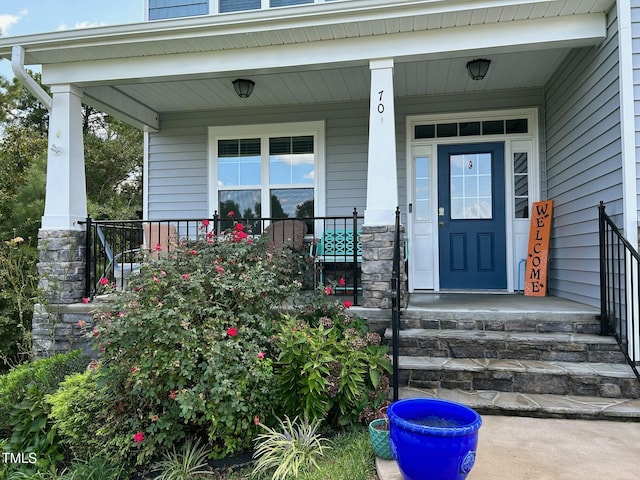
433, 439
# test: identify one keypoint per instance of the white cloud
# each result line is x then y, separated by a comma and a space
7, 20
77, 25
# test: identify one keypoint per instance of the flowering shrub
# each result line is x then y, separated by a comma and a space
329, 365
18, 293
184, 353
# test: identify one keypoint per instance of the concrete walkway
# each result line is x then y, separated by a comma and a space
522, 448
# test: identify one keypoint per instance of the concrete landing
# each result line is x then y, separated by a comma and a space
521, 448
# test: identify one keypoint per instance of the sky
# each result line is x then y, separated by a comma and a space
24, 17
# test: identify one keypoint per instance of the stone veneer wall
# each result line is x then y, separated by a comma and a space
377, 266
62, 328
61, 271
62, 265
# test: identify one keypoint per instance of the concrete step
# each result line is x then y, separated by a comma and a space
559, 347
491, 402
606, 380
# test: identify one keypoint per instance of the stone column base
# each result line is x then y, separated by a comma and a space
62, 265
377, 266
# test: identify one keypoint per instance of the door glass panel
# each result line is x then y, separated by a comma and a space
521, 184
471, 186
422, 194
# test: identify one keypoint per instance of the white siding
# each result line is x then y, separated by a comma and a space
178, 154
635, 33
583, 163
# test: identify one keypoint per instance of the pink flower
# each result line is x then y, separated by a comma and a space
239, 227
173, 394
95, 332
256, 420
194, 252
341, 282
85, 300
158, 247
327, 290
121, 314
104, 281
232, 332
155, 279
220, 269
186, 276
231, 213
347, 304
205, 223
138, 437
261, 355
134, 369
239, 236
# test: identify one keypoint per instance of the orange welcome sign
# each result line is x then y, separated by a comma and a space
535, 282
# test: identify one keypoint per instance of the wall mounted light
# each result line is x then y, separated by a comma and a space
478, 68
243, 87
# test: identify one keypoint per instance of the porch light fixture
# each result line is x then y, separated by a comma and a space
478, 68
243, 87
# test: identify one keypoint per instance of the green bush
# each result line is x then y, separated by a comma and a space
185, 353
24, 411
329, 366
32, 381
76, 408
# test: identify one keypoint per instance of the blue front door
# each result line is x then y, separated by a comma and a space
471, 216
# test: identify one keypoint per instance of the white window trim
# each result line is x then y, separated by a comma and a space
264, 131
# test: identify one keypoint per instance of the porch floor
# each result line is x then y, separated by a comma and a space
492, 302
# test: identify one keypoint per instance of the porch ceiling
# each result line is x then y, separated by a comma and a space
343, 84
313, 53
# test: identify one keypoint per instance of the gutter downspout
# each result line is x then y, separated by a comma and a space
17, 64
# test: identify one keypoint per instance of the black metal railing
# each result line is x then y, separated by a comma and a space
396, 297
117, 248
619, 289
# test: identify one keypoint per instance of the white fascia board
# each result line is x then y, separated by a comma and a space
576, 30
298, 16
113, 102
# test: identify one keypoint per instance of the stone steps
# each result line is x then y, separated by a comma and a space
464, 343
551, 322
503, 356
606, 380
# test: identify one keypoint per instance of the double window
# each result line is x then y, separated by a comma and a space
265, 174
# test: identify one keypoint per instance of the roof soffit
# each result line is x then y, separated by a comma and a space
286, 26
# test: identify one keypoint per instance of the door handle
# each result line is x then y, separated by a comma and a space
441, 223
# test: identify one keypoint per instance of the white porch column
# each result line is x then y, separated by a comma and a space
382, 182
66, 196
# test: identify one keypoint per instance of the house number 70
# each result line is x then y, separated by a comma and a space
380, 104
